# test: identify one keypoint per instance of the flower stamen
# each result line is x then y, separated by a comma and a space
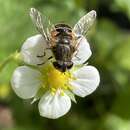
55, 79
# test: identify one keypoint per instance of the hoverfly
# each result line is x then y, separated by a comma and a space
61, 38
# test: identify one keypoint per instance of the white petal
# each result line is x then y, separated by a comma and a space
87, 80
54, 106
83, 52
33, 47
25, 82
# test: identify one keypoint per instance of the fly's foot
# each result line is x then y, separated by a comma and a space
45, 61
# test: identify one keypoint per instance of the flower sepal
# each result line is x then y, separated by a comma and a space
39, 94
71, 95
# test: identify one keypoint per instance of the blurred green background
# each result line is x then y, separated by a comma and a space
108, 108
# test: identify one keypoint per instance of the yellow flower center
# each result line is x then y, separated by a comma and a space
57, 79
54, 79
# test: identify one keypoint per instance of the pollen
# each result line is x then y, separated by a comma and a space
53, 79
57, 79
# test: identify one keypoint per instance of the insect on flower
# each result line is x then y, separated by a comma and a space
54, 69
62, 39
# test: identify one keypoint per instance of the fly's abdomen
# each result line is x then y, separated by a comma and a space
62, 52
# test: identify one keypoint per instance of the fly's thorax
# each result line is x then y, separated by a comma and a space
61, 33
63, 52
62, 39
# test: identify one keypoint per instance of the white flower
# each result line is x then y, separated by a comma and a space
56, 89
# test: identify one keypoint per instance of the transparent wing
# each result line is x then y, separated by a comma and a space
83, 25
41, 26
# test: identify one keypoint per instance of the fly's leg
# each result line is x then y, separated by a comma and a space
44, 54
41, 63
77, 57
45, 61
75, 54
40, 56
50, 57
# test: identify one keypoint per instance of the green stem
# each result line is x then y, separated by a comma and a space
12, 57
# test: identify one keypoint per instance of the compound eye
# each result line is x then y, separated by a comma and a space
69, 30
59, 30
